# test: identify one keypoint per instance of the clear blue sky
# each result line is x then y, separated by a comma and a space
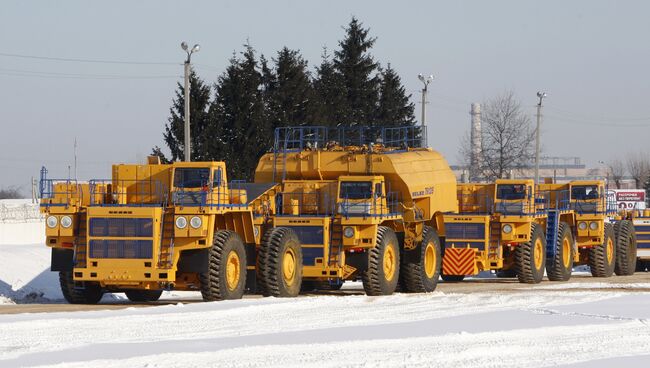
592, 57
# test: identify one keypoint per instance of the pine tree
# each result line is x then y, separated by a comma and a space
290, 93
174, 134
646, 186
331, 101
395, 109
243, 131
358, 70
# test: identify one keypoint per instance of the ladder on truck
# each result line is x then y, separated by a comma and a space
552, 227
166, 254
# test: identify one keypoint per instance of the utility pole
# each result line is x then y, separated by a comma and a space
425, 82
186, 88
541, 96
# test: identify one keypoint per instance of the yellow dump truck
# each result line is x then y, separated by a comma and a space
354, 204
153, 227
501, 226
586, 236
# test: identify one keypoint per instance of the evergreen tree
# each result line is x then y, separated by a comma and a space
331, 101
290, 93
646, 186
358, 70
199, 121
395, 109
239, 114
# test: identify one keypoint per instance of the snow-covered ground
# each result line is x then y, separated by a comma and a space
590, 324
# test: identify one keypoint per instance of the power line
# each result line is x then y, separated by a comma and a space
80, 60
569, 120
34, 73
578, 116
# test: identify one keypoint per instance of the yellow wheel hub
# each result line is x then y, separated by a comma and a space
430, 260
289, 266
233, 269
610, 250
538, 254
390, 262
566, 252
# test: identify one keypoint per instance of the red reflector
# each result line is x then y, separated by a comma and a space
356, 250
67, 245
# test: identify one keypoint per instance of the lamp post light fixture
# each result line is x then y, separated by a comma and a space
541, 96
425, 81
186, 88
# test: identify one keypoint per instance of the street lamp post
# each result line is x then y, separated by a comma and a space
425, 82
541, 96
188, 148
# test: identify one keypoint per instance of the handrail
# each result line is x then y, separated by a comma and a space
115, 193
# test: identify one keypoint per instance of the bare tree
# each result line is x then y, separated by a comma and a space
507, 135
10, 193
638, 165
616, 169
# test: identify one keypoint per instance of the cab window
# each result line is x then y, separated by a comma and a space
356, 189
216, 178
191, 177
584, 192
511, 191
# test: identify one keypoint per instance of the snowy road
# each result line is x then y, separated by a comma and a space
479, 323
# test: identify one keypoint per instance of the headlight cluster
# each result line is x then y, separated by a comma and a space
593, 225
582, 225
195, 222
507, 229
53, 221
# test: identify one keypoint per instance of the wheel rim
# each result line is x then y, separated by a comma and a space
430, 260
610, 250
289, 266
566, 252
233, 268
537, 253
389, 262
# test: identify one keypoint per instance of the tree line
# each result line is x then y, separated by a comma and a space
234, 119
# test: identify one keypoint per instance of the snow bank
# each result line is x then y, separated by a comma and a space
20, 222
25, 274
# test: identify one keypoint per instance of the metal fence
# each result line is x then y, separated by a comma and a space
27, 212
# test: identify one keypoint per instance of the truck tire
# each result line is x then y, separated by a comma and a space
226, 276
280, 263
603, 257
625, 248
90, 293
382, 271
530, 257
559, 268
143, 295
420, 267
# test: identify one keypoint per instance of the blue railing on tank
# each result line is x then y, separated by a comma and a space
373, 207
58, 192
116, 193
232, 196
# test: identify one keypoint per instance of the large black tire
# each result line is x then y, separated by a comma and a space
530, 257
280, 263
226, 276
143, 295
89, 293
625, 248
559, 268
421, 266
452, 278
602, 258
382, 271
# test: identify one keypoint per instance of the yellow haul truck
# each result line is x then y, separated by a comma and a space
354, 204
585, 234
502, 226
153, 227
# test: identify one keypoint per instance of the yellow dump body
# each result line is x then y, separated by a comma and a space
421, 176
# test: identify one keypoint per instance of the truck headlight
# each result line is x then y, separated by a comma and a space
593, 225
181, 222
66, 221
348, 232
52, 221
196, 222
507, 229
582, 225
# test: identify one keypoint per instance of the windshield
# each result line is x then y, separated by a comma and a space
356, 189
191, 177
511, 191
584, 192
